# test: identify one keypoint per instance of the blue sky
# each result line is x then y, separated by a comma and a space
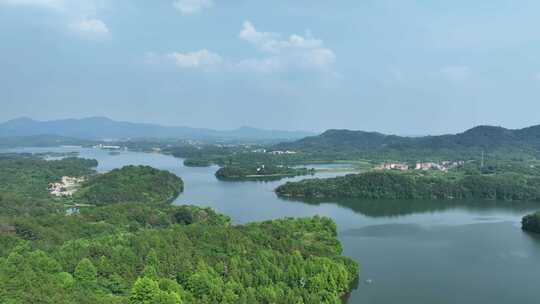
395, 66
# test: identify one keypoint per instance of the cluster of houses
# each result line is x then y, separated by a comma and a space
66, 187
279, 152
273, 152
442, 166
393, 166
107, 147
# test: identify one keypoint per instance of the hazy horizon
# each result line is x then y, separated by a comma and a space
141, 122
314, 132
395, 67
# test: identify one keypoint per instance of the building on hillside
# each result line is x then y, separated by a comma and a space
431, 166
278, 152
393, 166
107, 147
66, 187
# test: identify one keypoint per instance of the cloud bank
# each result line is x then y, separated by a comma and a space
275, 54
80, 16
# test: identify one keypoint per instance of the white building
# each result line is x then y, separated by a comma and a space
393, 166
66, 187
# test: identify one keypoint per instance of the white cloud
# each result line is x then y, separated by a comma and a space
188, 7
92, 27
457, 73
264, 40
320, 58
202, 58
70, 8
276, 54
537, 76
295, 51
80, 16
53, 4
273, 43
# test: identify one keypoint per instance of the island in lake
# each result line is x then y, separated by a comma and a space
261, 172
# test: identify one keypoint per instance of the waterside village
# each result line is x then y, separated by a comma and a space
442, 166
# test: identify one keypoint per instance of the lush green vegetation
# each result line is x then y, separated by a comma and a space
260, 172
481, 137
531, 222
489, 143
197, 162
140, 253
245, 162
498, 142
203, 155
99, 261
246, 156
28, 175
418, 185
131, 184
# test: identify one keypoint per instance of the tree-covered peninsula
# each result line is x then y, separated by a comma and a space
418, 185
262, 172
131, 184
142, 249
531, 222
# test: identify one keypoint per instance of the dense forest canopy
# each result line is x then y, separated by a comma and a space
136, 252
259, 172
283, 261
418, 185
498, 141
131, 184
28, 175
235, 156
531, 222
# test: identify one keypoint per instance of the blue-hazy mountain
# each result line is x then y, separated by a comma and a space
101, 128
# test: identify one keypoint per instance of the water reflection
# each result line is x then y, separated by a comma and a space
392, 208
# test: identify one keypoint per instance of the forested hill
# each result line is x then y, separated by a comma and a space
131, 184
130, 246
487, 137
417, 186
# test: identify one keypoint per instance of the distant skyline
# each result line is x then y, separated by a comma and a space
393, 66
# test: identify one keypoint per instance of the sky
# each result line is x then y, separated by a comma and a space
393, 66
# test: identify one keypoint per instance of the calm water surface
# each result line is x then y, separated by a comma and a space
414, 252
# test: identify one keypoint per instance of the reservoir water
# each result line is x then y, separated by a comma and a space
409, 251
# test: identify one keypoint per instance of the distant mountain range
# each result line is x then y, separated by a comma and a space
101, 128
67, 131
42, 141
478, 137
